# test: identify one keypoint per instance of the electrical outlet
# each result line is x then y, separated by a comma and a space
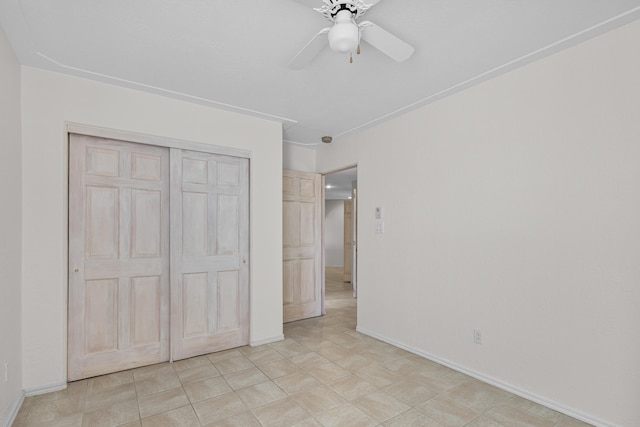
477, 336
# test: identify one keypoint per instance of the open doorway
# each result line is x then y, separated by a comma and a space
340, 235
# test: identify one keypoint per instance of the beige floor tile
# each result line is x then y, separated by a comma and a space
151, 371
203, 390
380, 357
483, 421
318, 399
331, 351
283, 413
261, 394
567, 421
246, 419
162, 402
342, 339
433, 368
352, 387
295, 383
106, 382
309, 422
379, 376
328, 373
508, 415
115, 415
279, 368
226, 354
308, 360
137, 423
55, 410
248, 350
290, 348
21, 418
380, 406
477, 395
295, 331
411, 418
192, 362
233, 364
561, 420
354, 362
75, 390
447, 412
180, 417
264, 356
411, 393
74, 420
219, 408
109, 397
157, 384
404, 367
440, 382
198, 373
246, 378
313, 343
345, 415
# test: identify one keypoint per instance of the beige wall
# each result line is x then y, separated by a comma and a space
299, 158
10, 231
513, 207
50, 100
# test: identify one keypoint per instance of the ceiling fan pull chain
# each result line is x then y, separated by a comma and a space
350, 58
358, 51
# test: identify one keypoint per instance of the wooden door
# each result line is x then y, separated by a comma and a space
118, 256
348, 241
302, 245
354, 239
209, 253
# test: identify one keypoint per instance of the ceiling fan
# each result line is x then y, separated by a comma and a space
345, 34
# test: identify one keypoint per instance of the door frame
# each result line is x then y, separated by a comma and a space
323, 228
139, 138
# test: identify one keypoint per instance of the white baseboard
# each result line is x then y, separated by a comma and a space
45, 389
257, 343
13, 413
504, 386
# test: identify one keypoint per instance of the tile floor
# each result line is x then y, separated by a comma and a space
323, 374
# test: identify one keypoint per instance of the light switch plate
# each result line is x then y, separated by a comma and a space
379, 227
379, 213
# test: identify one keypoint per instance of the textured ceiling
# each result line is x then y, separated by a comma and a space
234, 54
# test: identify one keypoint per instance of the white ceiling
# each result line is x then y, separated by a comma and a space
234, 54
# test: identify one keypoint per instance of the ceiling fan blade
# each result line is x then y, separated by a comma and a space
386, 42
310, 50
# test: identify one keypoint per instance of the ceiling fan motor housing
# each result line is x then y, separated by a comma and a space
344, 36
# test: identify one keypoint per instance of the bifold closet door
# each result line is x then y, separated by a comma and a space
118, 256
209, 253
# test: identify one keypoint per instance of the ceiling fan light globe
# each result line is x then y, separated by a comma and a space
344, 37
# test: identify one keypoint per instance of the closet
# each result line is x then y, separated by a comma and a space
158, 254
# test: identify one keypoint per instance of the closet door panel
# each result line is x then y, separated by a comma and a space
210, 276
118, 256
